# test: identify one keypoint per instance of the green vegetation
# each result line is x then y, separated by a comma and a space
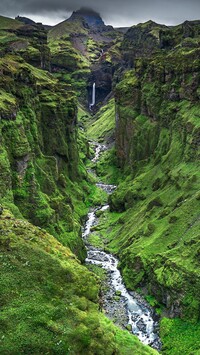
53, 305
78, 48
42, 163
154, 221
154, 226
8, 23
180, 337
103, 124
49, 300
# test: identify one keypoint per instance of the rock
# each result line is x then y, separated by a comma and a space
129, 327
1, 210
118, 293
141, 326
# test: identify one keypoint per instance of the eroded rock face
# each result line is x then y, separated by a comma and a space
102, 77
38, 133
158, 99
157, 135
142, 39
36, 36
79, 46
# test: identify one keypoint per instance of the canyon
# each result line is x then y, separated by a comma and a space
66, 92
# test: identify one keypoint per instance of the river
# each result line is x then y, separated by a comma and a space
128, 309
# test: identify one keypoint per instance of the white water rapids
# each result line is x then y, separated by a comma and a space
139, 315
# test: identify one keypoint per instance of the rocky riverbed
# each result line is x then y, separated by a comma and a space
127, 309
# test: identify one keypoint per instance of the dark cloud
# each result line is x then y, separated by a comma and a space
116, 12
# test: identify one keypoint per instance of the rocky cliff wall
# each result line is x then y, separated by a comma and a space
40, 166
157, 144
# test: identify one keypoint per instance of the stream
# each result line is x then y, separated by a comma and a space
127, 309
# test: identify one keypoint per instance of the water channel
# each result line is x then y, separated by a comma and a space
128, 309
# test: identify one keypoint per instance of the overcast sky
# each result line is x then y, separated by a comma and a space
114, 12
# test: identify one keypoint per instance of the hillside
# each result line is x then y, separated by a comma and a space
53, 305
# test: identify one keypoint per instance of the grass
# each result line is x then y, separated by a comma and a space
53, 306
180, 337
41, 189
103, 124
8, 23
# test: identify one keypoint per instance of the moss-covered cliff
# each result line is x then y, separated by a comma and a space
156, 233
39, 156
155, 214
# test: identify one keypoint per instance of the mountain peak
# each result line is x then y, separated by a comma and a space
25, 20
91, 17
87, 11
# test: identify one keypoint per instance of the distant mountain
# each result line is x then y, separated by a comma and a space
85, 22
81, 39
122, 29
92, 18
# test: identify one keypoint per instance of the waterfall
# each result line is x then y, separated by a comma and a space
93, 95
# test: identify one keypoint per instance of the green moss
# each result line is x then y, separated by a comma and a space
7, 23
180, 337
40, 152
95, 240
154, 219
53, 306
103, 123
7, 38
5, 178
7, 101
107, 167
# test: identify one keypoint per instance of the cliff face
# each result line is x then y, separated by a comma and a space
29, 40
157, 144
79, 52
162, 91
147, 39
39, 153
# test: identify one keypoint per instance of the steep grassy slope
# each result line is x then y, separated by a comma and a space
30, 41
103, 125
154, 221
49, 302
8, 23
85, 33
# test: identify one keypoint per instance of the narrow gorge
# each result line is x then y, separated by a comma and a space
99, 187
130, 311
